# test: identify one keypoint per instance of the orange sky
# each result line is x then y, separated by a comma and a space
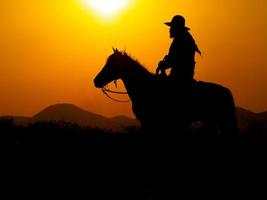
51, 50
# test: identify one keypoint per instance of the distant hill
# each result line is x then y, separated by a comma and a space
248, 121
73, 114
262, 117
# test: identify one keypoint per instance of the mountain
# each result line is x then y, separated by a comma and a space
262, 117
250, 122
71, 113
74, 114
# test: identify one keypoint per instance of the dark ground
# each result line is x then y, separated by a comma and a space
59, 160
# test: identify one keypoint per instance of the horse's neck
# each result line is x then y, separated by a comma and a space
134, 79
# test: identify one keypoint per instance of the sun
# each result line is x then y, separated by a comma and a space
107, 8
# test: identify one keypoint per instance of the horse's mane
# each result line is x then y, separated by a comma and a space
135, 62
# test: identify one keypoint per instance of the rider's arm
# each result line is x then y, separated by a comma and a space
167, 62
173, 55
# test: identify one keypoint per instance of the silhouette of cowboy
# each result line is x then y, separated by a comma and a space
181, 57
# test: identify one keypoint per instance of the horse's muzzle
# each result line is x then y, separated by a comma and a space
97, 83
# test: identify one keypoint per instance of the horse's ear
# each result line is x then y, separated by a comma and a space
115, 50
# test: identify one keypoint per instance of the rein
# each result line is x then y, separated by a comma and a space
106, 91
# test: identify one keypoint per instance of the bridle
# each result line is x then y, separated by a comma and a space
106, 91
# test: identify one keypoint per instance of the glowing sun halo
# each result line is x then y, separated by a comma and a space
107, 8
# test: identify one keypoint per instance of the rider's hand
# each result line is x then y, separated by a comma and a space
160, 67
157, 71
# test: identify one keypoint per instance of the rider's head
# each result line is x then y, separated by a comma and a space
177, 25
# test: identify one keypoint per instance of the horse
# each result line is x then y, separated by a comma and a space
161, 106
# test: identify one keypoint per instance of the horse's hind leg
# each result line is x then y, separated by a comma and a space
228, 121
228, 127
222, 111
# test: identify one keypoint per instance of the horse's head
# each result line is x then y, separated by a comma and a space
112, 69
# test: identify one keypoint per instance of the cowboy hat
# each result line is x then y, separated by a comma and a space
177, 21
